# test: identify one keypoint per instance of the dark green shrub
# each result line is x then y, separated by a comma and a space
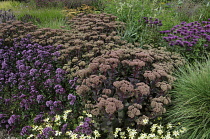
123, 87
191, 100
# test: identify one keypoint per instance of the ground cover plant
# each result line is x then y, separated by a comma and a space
87, 78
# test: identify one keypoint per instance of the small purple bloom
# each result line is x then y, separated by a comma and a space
57, 103
40, 98
64, 128
72, 99
48, 132
13, 119
49, 103
38, 118
25, 130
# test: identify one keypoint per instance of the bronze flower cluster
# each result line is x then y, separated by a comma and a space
137, 79
91, 36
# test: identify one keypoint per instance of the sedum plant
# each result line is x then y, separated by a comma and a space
191, 100
123, 87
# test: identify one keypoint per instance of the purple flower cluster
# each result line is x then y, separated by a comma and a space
85, 128
13, 119
72, 99
151, 22
46, 133
25, 130
31, 82
190, 35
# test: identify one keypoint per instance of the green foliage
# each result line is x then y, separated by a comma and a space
191, 100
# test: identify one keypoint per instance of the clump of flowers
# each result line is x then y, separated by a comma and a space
62, 126
192, 40
31, 84
123, 87
157, 131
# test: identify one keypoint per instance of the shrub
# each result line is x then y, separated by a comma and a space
189, 39
6, 16
31, 84
191, 100
123, 87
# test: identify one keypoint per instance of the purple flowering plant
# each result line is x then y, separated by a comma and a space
32, 84
192, 40
148, 30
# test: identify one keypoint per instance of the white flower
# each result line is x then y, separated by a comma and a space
81, 123
169, 126
82, 136
96, 133
176, 133
143, 136
35, 127
145, 121
58, 133
69, 133
73, 136
89, 115
30, 136
182, 130
153, 128
46, 120
67, 111
132, 133
151, 135
58, 123
160, 132
65, 117
57, 118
